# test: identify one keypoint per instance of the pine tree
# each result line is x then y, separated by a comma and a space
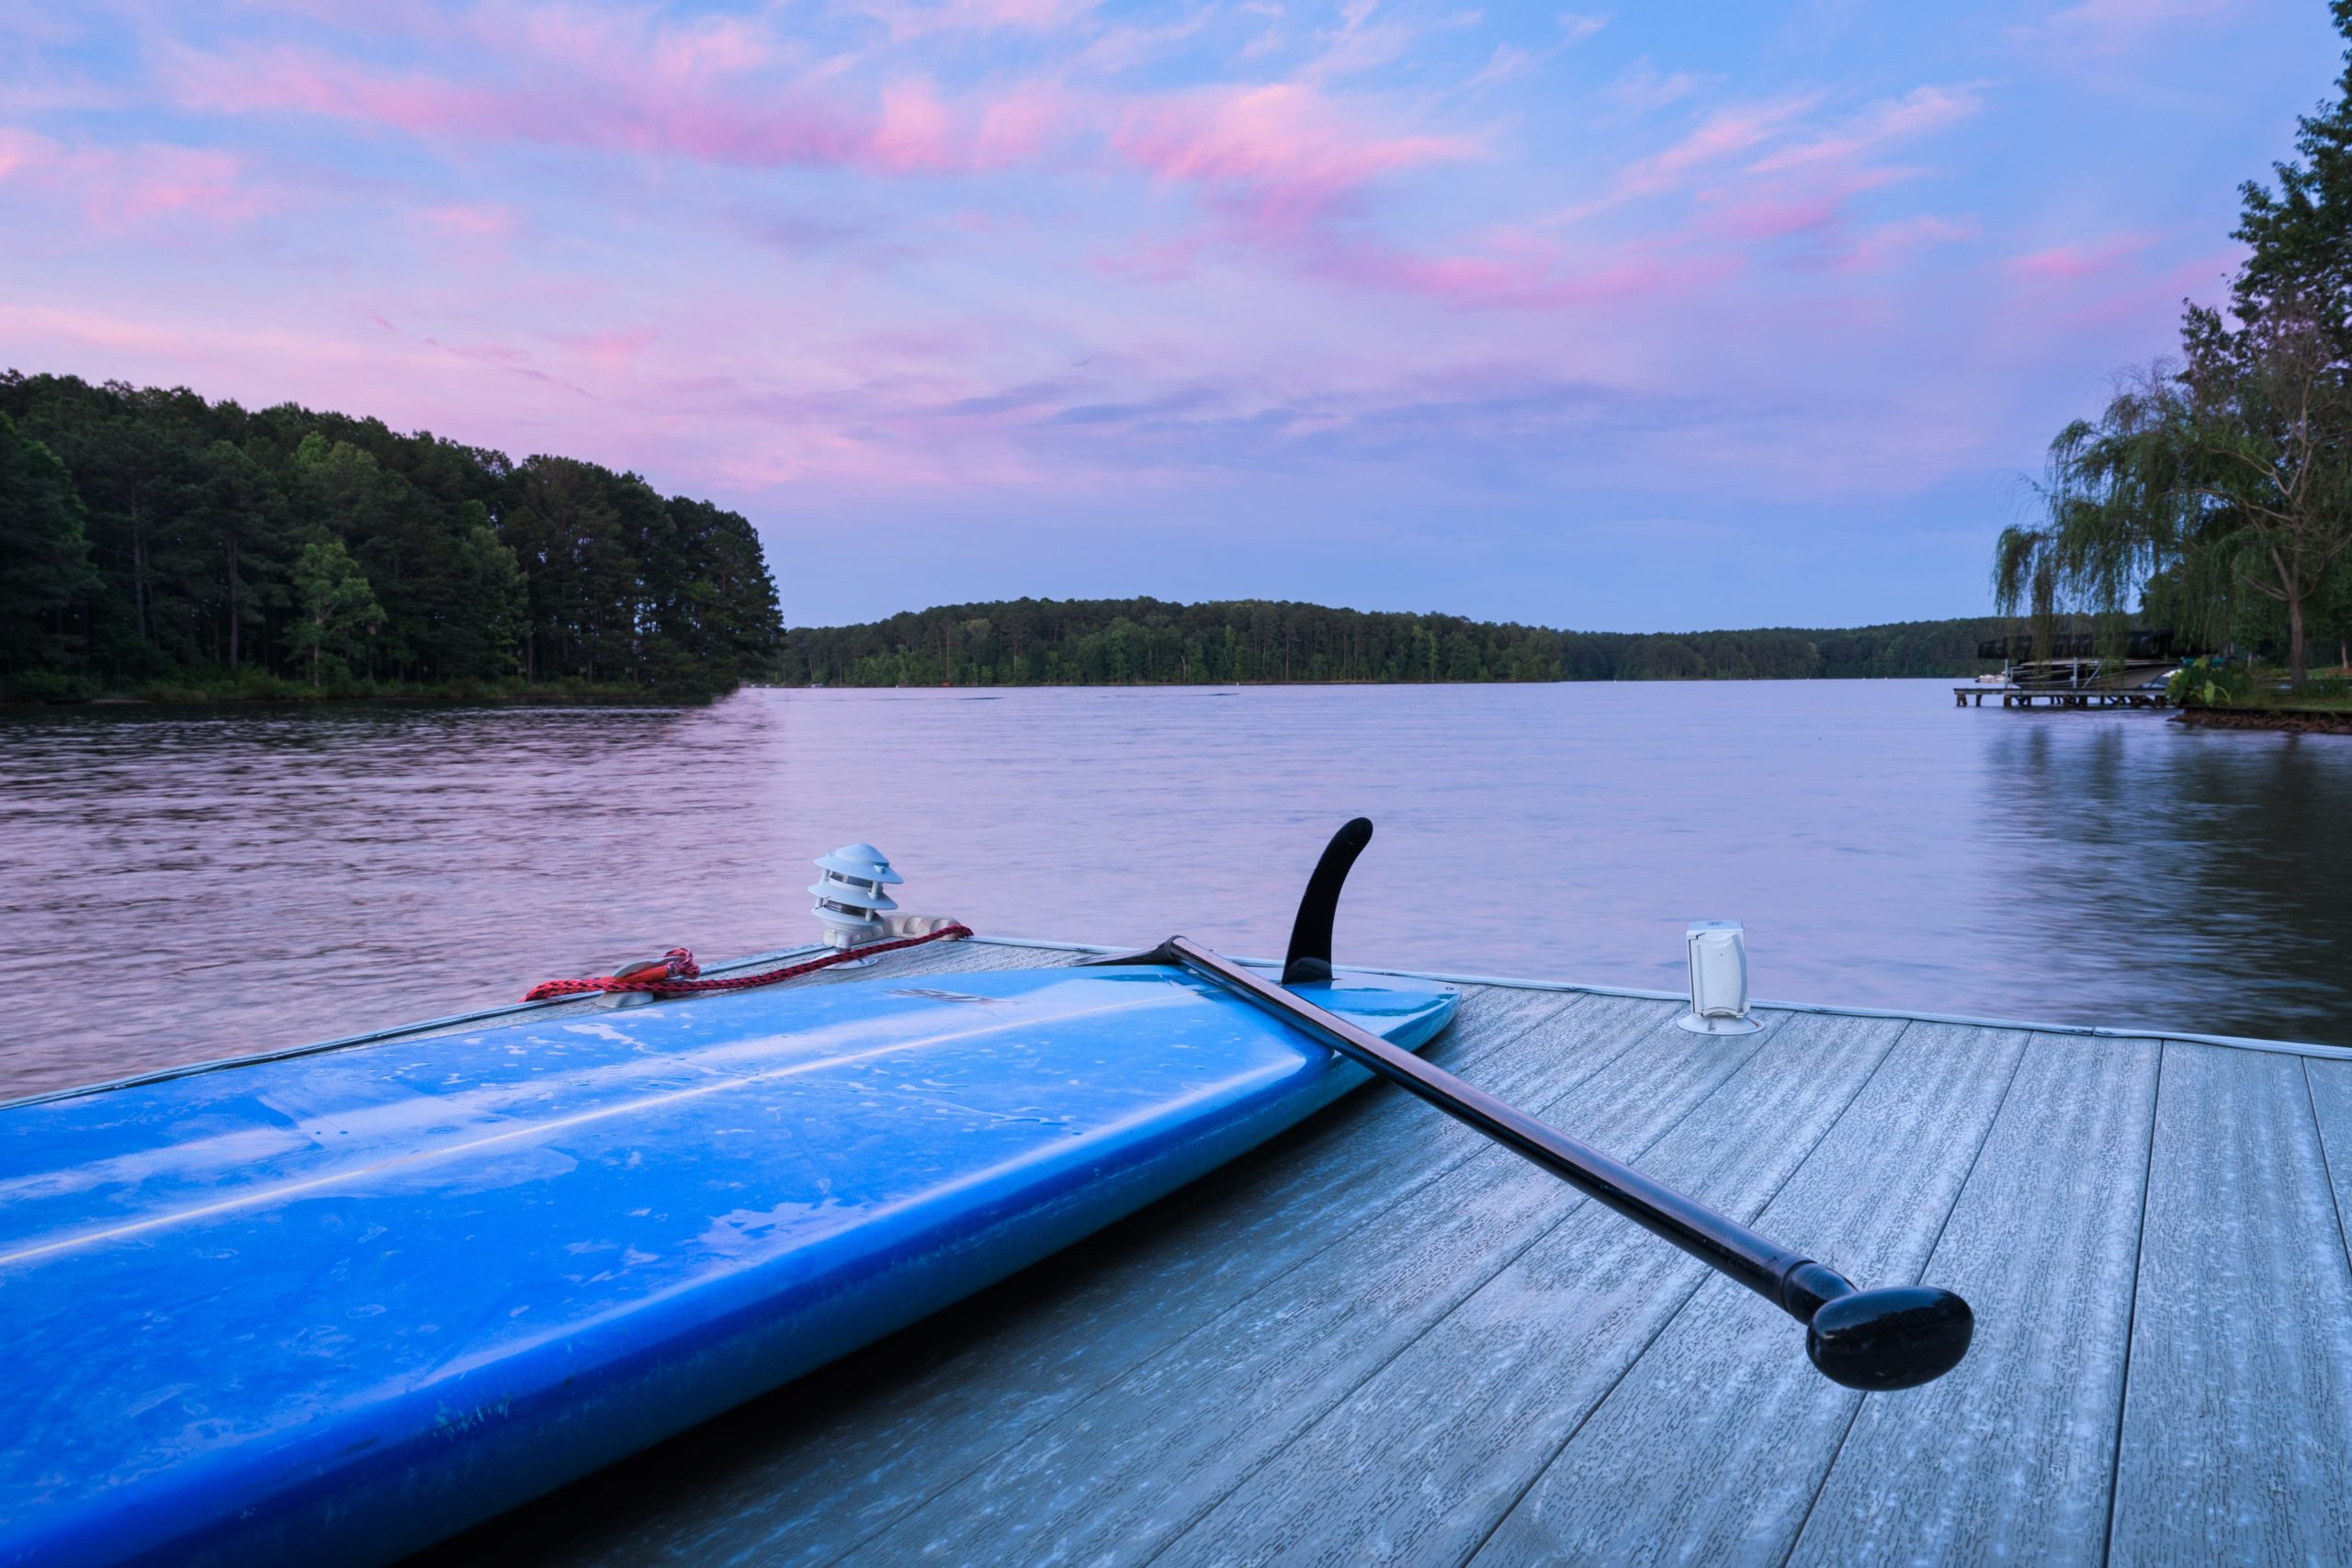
41, 540
240, 510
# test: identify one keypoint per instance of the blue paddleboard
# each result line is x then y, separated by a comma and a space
336, 1307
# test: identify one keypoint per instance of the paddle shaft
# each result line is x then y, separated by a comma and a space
1788, 1280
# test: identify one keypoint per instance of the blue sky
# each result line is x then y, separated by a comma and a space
1668, 316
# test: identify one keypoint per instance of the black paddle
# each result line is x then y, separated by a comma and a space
1896, 1337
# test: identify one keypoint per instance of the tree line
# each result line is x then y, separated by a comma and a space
2213, 491
156, 539
1148, 642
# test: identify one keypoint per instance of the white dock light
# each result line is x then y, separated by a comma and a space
1718, 980
850, 899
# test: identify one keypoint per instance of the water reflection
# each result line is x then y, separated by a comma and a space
186, 884
2204, 870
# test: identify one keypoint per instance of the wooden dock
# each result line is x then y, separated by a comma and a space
1379, 1339
1974, 692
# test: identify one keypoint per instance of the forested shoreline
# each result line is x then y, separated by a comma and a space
1149, 642
160, 543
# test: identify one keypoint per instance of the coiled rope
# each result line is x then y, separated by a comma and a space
675, 972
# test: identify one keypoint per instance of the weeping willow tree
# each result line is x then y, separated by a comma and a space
2201, 482
2112, 517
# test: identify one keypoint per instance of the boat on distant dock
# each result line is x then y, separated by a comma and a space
2075, 671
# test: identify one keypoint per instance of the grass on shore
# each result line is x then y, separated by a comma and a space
2245, 688
2325, 691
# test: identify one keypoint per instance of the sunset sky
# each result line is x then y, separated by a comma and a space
1671, 316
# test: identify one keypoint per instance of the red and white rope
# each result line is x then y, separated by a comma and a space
679, 976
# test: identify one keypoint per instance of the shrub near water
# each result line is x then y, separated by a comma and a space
2215, 684
2211, 684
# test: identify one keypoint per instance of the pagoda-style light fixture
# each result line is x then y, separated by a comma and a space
850, 899
1718, 980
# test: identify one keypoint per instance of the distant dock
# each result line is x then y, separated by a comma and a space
2074, 671
2017, 695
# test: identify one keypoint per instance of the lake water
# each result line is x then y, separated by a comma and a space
183, 884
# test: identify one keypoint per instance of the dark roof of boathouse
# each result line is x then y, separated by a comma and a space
1378, 1339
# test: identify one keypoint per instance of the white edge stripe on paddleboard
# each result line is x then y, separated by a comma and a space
266, 1195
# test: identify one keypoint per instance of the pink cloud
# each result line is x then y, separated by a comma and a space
1154, 260
1368, 39
1814, 201
1530, 280
1920, 112
1642, 87
2131, 317
1021, 123
1507, 64
120, 187
471, 223
1888, 242
1513, 268
2112, 286
1282, 166
1285, 150
613, 351
92, 328
915, 132
23, 150
726, 93
1778, 217
507, 357
686, 111
99, 343
714, 46
1725, 134
1795, 176
618, 116
2107, 26
2074, 261
912, 19
159, 180
612, 44
1124, 46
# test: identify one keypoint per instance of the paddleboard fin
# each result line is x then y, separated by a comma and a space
1309, 957
1310, 934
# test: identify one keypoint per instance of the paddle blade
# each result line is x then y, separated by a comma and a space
1899, 1336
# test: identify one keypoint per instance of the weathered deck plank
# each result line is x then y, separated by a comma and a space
1486, 1399
1711, 1446
2330, 1084
2236, 1442
1136, 1466
811, 1473
2010, 1458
